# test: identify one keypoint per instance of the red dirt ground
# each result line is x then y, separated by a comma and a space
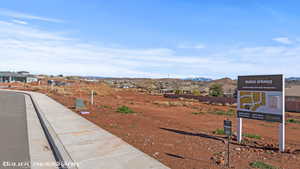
182, 140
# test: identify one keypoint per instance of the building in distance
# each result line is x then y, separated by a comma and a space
21, 76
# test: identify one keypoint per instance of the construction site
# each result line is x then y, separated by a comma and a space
179, 132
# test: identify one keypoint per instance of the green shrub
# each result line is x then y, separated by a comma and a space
125, 110
293, 121
261, 165
106, 107
220, 112
216, 90
197, 112
230, 112
178, 91
252, 136
219, 131
196, 92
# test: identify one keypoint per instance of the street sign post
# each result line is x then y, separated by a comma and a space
79, 104
92, 97
228, 127
261, 97
228, 132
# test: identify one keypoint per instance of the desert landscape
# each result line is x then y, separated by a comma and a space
181, 133
126, 84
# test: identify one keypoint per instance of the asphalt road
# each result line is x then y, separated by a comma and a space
13, 129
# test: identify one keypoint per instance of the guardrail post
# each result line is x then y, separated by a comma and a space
239, 129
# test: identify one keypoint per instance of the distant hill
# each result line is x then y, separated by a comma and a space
228, 84
293, 79
224, 81
199, 79
96, 77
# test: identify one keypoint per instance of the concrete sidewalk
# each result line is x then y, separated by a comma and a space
88, 145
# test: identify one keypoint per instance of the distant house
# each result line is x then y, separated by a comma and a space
22, 76
292, 93
23, 72
166, 91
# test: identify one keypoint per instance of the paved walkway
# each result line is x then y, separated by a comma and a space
89, 145
14, 145
85, 144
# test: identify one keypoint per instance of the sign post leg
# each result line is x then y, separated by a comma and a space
239, 129
92, 97
228, 142
282, 124
282, 136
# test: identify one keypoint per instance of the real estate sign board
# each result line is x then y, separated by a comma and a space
261, 97
228, 127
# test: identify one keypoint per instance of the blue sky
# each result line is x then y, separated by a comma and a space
154, 38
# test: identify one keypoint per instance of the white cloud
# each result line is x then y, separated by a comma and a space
19, 22
18, 31
19, 15
283, 40
191, 46
23, 47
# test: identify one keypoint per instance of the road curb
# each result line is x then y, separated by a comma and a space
39, 148
59, 152
86, 144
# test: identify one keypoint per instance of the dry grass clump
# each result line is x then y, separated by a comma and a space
172, 103
100, 89
162, 103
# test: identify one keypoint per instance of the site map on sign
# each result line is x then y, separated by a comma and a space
252, 100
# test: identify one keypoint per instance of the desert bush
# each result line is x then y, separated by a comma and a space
219, 131
176, 104
252, 136
293, 121
105, 107
197, 112
178, 92
164, 103
216, 90
125, 110
261, 165
196, 92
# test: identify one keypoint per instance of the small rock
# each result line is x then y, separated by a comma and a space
156, 154
84, 112
46, 148
238, 149
288, 150
220, 161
